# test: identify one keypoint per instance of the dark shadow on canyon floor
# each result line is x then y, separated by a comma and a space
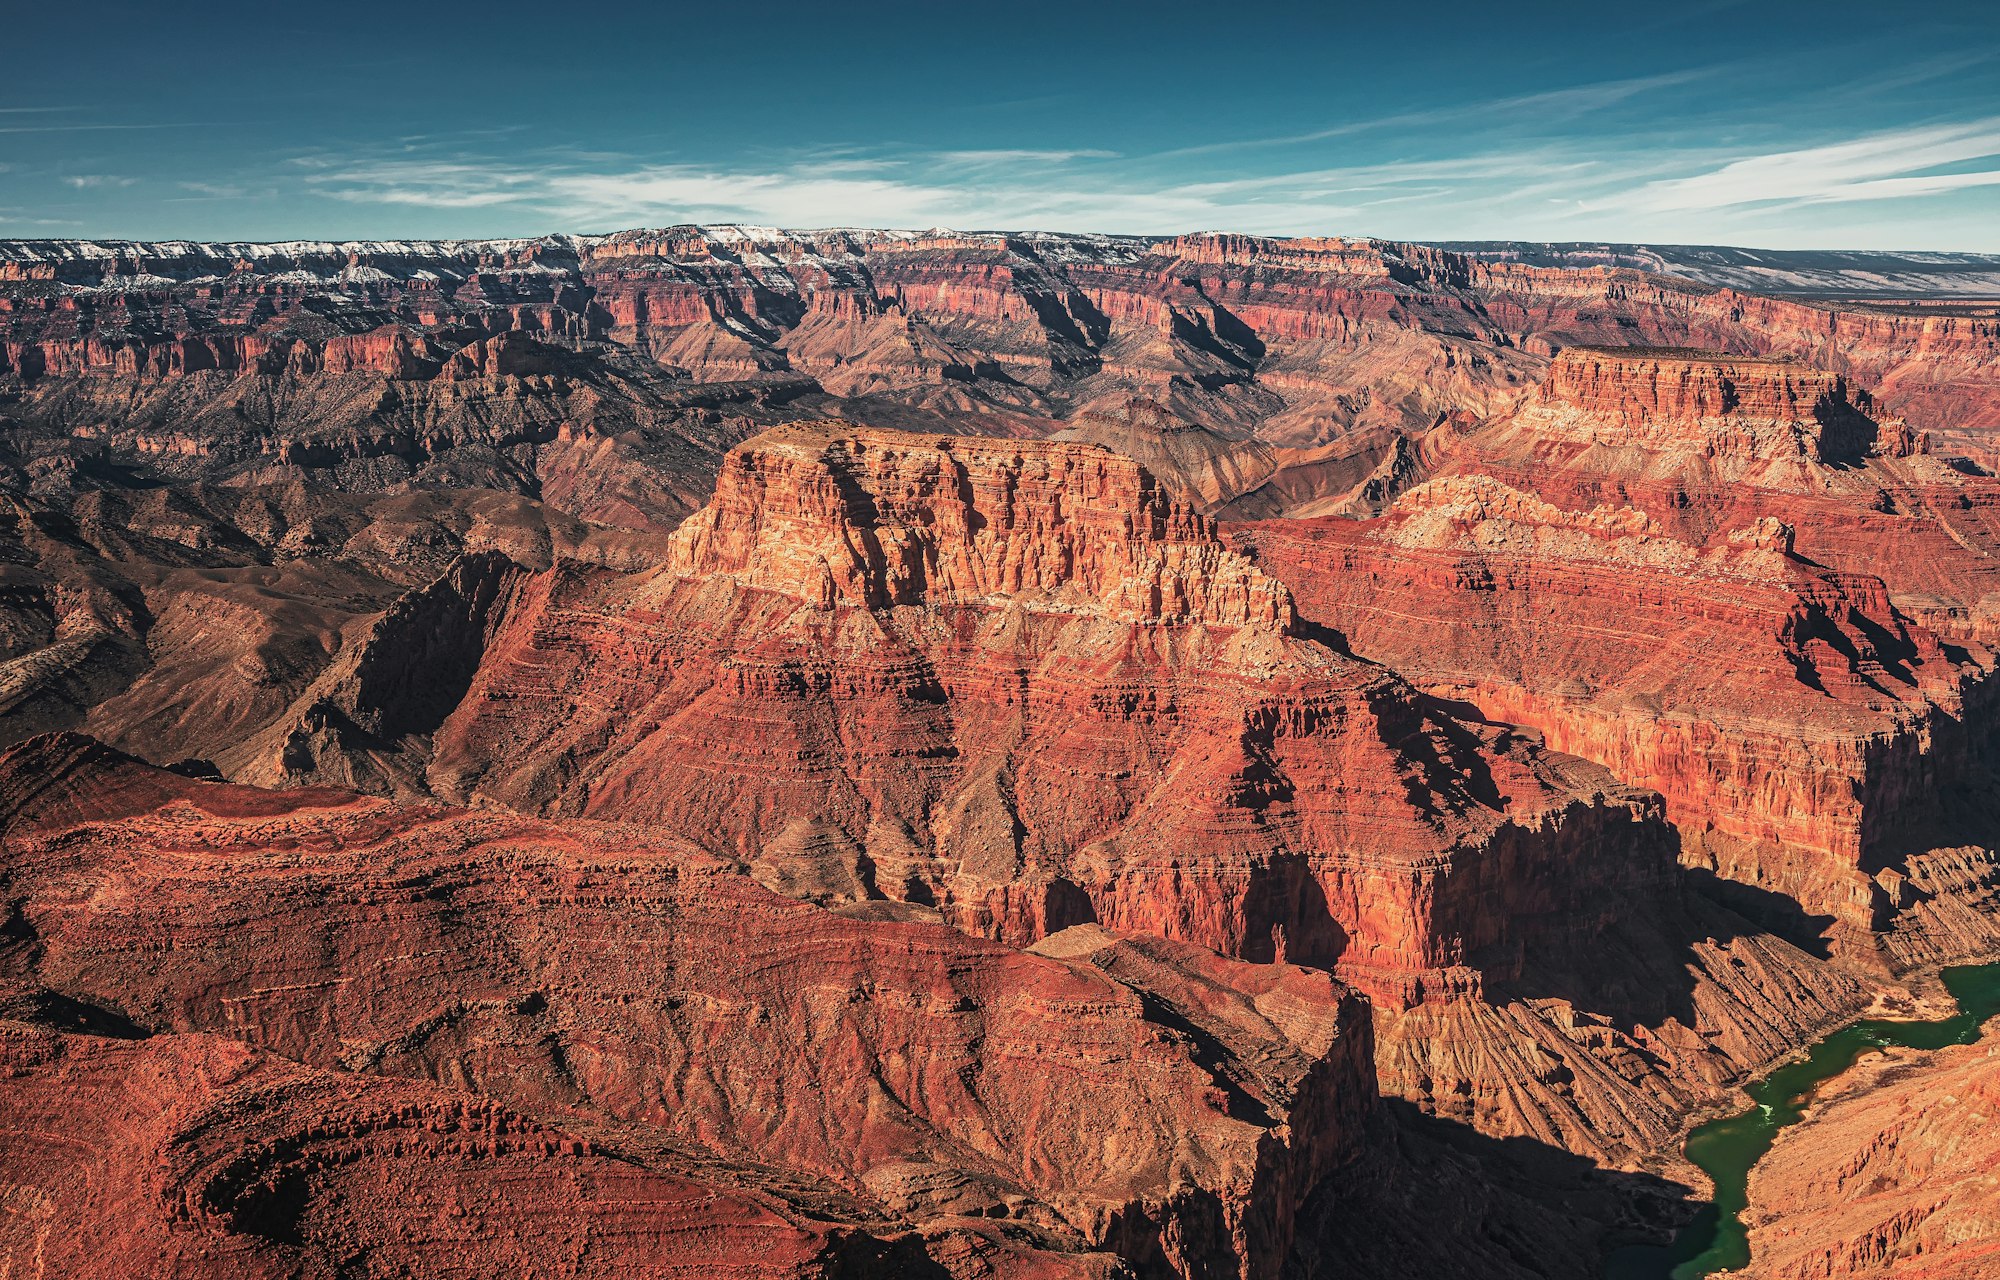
1433, 1198
1770, 912
1639, 968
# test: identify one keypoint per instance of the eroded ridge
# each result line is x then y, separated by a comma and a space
897, 667
1656, 562
616, 1027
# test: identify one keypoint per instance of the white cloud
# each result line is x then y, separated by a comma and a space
95, 181
1539, 108
426, 183
1622, 188
1878, 166
1011, 192
1007, 155
95, 128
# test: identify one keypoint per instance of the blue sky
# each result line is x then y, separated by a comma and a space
1772, 124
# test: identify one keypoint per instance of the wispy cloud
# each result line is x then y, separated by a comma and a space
96, 128
935, 189
431, 184
1548, 189
1893, 164
1661, 157
1022, 156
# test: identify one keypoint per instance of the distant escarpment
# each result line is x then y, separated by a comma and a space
610, 373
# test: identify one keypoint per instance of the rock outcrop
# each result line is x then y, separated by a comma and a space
274, 634
519, 364
600, 1016
1021, 686
1637, 564
1891, 1174
199, 1156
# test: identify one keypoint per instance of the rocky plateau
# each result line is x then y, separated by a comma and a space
726, 752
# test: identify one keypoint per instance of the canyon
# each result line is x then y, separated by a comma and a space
733, 752
1581, 565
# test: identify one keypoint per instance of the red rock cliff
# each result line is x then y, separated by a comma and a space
896, 667
866, 519
1687, 640
584, 990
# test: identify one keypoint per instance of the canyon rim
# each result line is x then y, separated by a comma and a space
587, 689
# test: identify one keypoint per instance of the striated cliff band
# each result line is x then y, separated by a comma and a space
725, 752
608, 373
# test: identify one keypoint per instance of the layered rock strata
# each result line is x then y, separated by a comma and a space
584, 366
1023, 686
655, 1025
1642, 565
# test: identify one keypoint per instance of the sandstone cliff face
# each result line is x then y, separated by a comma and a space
1579, 567
875, 519
1891, 1175
1019, 685
1708, 444
1746, 412
916, 648
604, 1017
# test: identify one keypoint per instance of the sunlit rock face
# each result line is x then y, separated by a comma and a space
812, 754
1889, 1175
1020, 686
575, 366
378, 1011
1655, 562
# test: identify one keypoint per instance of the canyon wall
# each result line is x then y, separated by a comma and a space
518, 364
1022, 687
771, 753
594, 993
1640, 563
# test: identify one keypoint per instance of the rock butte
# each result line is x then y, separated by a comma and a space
775, 767
823, 685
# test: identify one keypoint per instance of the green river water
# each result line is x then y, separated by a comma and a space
1717, 1240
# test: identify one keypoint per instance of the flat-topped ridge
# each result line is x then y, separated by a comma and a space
840, 515
1681, 355
1479, 515
1746, 408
